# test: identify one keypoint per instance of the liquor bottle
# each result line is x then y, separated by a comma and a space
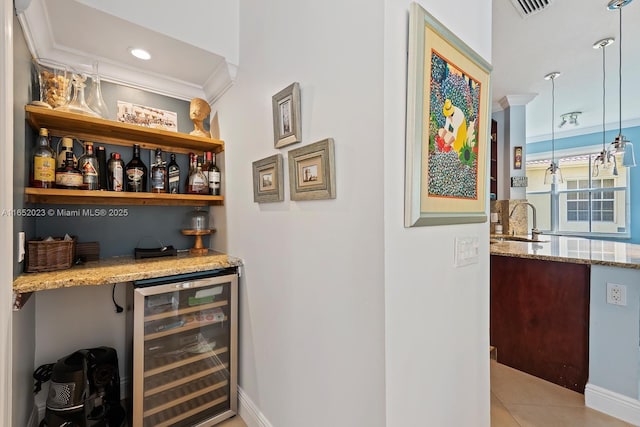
101, 154
197, 182
69, 176
67, 145
88, 165
43, 167
159, 174
206, 164
115, 176
193, 162
136, 172
215, 177
173, 176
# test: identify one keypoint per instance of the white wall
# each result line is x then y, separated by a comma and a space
6, 202
311, 305
437, 316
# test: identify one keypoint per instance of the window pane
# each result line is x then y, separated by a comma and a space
607, 216
572, 216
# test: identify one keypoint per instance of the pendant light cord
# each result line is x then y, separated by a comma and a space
553, 115
620, 78
604, 89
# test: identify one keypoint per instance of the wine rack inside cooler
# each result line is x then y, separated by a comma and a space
185, 352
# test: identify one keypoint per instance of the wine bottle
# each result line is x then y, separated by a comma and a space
88, 165
173, 175
69, 176
159, 174
115, 178
215, 178
193, 162
206, 164
197, 182
43, 167
101, 155
136, 172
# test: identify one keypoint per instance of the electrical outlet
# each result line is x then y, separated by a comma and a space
616, 294
466, 251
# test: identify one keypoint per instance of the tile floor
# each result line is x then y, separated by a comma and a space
522, 400
233, 422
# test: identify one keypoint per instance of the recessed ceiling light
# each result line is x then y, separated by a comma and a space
140, 53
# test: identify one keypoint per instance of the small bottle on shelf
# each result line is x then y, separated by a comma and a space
43, 167
173, 175
69, 176
214, 177
206, 163
159, 174
193, 162
88, 165
136, 172
197, 182
67, 145
101, 154
115, 176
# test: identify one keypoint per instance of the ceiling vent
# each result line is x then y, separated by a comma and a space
527, 8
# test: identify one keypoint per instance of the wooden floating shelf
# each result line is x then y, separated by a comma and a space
112, 132
74, 197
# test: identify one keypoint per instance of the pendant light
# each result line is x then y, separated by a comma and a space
605, 160
553, 174
620, 142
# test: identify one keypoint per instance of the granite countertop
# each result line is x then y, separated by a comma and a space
570, 249
122, 269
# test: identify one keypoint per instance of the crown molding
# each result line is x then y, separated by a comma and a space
516, 100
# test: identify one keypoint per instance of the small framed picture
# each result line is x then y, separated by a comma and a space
287, 127
312, 171
517, 157
268, 185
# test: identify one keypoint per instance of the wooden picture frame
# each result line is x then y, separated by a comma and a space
312, 173
448, 117
268, 179
287, 125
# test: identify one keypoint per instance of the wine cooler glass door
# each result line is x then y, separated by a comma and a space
185, 352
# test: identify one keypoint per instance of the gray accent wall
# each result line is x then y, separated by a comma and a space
23, 321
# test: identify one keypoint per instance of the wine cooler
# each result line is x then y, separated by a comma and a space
185, 349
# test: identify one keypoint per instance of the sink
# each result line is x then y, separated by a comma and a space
519, 239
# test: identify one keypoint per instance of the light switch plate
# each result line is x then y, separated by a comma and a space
466, 251
21, 242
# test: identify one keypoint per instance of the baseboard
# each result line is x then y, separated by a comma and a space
249, 412
612, 403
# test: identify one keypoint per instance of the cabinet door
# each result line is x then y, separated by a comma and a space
185, 352
540, 318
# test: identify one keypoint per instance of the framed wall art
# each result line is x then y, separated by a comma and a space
287, 127
268, 183
448, 116
517, 157
312, 173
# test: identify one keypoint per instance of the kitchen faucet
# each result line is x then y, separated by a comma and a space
535, 233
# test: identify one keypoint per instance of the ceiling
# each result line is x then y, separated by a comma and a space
195, 52
560, 38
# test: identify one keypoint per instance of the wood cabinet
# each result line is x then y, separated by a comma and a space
493, 154
124, 134
540, 318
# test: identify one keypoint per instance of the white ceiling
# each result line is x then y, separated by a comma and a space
560, 38
195, 51
194, 48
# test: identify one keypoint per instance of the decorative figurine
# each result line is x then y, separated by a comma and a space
199, 109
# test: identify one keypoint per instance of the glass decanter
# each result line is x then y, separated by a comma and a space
95, 100
77, 104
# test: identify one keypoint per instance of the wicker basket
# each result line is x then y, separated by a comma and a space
57, 254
